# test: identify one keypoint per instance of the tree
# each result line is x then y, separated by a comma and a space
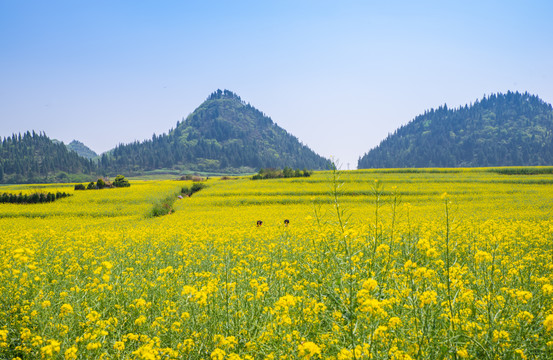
120, 181
100, 184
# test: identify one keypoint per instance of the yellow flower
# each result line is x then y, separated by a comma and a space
49, 350
525, 316
308, 349
547, 289
93, 346
428, 297
463, 353
345, 354
482, 256
370, 284
93, 316
66, 309
500, 335
548, 323
523, 296
394, 322
141, 320
520, 352
71, 353
218, 354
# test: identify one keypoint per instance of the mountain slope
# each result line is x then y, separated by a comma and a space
81, 149
510, 129
222, 134
36, 158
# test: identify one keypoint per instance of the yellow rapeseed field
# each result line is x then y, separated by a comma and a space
396, 264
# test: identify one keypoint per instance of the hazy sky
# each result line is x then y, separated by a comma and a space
339, 75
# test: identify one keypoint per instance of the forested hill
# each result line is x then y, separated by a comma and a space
510, 129
35, 158
222, 134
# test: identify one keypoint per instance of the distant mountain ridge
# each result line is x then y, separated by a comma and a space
81, 149
222, 134
511, 129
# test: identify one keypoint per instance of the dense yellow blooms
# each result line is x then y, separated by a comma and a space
365, 269
548, 323
308, 350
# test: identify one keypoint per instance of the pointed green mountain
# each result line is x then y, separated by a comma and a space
222, 134
81, 149
510, 129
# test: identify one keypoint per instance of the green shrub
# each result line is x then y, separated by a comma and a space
163, 207
80, 187
91, 186
285, 173
100, 184
120, 181
34, 198
160, 209
197, 186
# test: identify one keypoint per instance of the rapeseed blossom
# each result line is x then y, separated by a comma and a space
94, 276
308, 350
548, 323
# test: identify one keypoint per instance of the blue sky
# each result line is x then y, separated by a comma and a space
338, 75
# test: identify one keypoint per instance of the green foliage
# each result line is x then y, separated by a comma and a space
34, 198
163, 206
80, 187
197, 186
523, 170
120, 181
510, 129
276, 173
91, 186
222, 134
100, 184
191, 177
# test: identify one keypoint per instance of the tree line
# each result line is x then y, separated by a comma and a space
32, 157
33, 198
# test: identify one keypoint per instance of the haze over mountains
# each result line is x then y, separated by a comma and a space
81, 149
227, 135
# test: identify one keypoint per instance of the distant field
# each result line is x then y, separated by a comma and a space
380, 264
